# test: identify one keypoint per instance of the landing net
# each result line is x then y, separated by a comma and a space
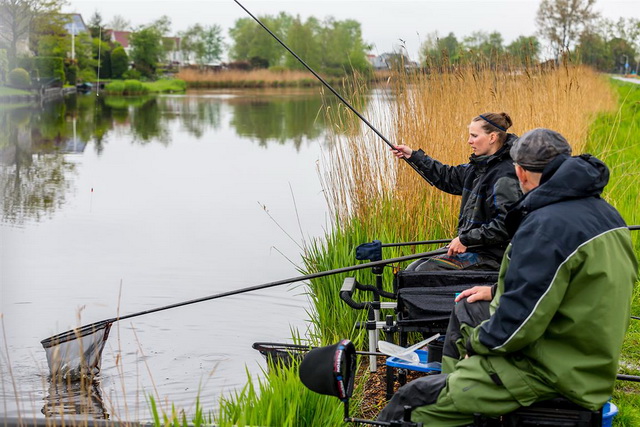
77, 353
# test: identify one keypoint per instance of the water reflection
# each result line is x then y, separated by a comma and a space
37, 173
278, 120
75, 398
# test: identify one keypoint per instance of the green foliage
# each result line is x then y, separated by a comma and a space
525, 50
71, 71
333, 47
438, 51
280, 400
87, 75
102, 57
136, 87
562, 21
132, 74
178, 418
202, 44
119, 62
613, 139
19, 78
44, 67
146, 50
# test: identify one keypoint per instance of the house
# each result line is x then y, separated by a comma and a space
387, 60
121, 37
171, 44
75, 24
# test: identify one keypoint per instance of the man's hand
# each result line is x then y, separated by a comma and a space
455, 247
477, 293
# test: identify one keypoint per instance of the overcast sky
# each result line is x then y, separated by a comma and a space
384, 23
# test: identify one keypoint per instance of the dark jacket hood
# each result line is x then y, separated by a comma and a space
564, 178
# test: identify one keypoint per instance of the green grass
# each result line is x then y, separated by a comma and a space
9, 91
279, 399
614, 139
136, 87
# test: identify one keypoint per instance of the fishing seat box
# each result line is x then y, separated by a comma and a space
426, 298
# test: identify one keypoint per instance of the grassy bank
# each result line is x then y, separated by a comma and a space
613, 139
9, 91
136, 87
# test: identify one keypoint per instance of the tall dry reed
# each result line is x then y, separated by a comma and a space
432, 111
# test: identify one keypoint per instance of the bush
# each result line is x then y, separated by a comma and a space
132, 87
71, 71
115, 87
47, 66
87, 75
278, 69
19, 78
119, 63
132, 74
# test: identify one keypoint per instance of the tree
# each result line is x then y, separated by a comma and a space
97, 27
204, 44
440, 51
251, 43
119, 62
562, 21
592, 50
525, 50
18, 16
146, 50
213, 43
119, 23
303, 38
343, 47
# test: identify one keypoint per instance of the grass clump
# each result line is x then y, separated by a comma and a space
279, 400
138, 88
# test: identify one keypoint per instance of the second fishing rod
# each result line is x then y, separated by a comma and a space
328, 86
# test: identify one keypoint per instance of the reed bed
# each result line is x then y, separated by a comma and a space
196, 79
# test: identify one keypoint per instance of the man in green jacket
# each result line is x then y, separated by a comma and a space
562, 304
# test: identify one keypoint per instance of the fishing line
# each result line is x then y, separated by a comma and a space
328, 86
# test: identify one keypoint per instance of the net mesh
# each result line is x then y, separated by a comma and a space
77, 353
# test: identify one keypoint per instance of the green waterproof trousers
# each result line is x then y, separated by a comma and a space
488, 385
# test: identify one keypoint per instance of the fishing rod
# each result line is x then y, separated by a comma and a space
73, 334
335, 92
438, 241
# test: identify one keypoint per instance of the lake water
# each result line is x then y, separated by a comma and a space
119, 205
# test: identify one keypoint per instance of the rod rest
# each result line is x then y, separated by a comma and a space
350, 284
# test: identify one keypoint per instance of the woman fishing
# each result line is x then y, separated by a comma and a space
487, 184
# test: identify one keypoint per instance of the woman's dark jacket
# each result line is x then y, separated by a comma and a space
487, 185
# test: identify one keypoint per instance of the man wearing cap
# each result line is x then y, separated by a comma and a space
562, 303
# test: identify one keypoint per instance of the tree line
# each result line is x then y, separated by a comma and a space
568, 28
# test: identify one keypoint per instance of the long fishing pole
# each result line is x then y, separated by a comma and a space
439, 241
70, 335
328, 86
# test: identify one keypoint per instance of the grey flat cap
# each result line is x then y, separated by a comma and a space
536, 148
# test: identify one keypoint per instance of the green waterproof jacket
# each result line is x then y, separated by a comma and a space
562, 304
